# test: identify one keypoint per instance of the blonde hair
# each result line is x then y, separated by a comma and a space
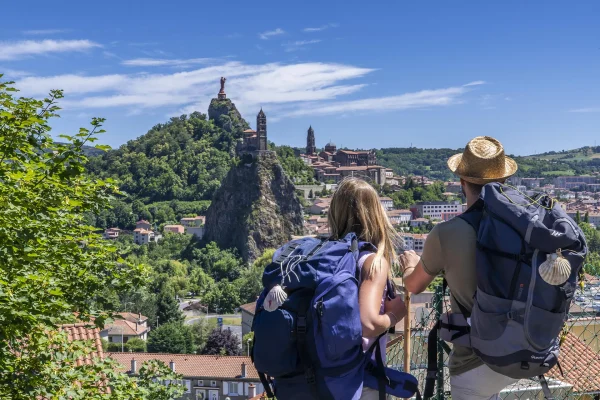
355, 207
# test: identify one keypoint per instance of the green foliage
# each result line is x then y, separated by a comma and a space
297, 170
173, 337
167, 309
222, 342
250, 283
136, 345
53, 265
223, 297
220, 264
201, 329
421, 162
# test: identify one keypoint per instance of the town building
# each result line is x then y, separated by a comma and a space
387, 203
440, 210
143, 224
398, 217
179, 229
204, 377
194, 225
143, 236
121, 330
453, 187
254, 141
418, 222
247, 317
320, 206
575, 182
111, 233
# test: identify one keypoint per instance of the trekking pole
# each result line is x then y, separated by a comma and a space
439, 309
407, 332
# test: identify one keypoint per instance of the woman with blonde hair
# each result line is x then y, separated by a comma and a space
356, 207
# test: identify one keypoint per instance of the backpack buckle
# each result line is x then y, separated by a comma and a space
301, 325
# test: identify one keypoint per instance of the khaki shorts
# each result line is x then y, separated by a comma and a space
481, 383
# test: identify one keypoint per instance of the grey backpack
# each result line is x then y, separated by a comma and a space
529, 258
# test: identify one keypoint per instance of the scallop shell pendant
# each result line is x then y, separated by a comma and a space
274, 298
556, 269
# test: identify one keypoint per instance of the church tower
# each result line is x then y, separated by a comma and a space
261, 130
310, 142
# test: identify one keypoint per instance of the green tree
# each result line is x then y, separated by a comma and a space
223, 296
577, 217
167, 309
173, 337
53, 265
220, 264
136, 345
201, 329
586, 217
311, 194
250, 283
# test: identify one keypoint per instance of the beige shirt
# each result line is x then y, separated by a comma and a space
450, 250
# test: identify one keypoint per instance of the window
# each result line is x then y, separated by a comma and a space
200, 382
213, 383
233, 388
110, 339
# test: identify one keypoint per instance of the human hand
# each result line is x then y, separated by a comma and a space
409, 260
396, 307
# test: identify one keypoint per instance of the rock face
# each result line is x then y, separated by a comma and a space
226, 116
254, 209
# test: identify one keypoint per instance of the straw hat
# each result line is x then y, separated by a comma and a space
483, 161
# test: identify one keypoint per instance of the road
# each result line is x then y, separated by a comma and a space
235, 329
191, 320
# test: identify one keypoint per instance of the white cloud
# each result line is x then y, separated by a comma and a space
299, 44
39, 32
475, 83
162, 62
24, 48
285, 90
321, 28
586, 110
421, 99
266, 35
13, 73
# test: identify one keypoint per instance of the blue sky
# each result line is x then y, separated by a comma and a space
364, 74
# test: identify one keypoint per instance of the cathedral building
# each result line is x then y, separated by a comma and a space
333, 165
255, 141
311, 149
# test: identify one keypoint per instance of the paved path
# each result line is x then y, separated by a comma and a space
191, 320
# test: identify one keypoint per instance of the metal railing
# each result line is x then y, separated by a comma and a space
579, 354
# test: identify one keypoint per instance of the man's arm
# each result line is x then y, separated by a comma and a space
416, 279
419, 272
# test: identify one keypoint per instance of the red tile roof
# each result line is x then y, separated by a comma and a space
249, 131
127, 328
84, 331
580, 364
192, 365
249, 308
132, 317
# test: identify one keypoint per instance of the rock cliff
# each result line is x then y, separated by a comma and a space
226, 116
255, 208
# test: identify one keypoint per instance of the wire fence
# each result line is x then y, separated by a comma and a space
579, 356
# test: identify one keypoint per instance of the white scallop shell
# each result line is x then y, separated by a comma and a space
274, 298
555, 270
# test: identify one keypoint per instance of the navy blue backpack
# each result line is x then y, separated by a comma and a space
308, 346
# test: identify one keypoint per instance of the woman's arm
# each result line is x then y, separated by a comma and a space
369, 299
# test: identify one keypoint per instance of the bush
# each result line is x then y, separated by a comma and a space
136, 345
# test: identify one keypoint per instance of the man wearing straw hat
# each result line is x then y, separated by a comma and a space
450, 250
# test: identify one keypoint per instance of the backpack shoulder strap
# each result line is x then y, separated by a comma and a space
473, 215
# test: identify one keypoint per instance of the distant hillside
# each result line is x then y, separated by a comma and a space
413, 161
432, 162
